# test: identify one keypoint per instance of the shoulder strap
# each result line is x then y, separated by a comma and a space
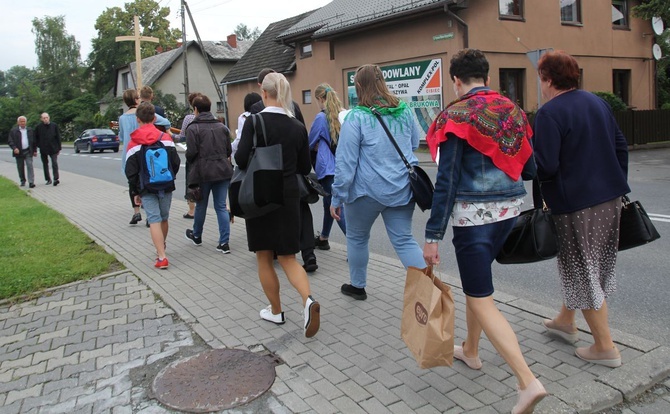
393, 141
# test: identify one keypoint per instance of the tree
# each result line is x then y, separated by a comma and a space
107, 55
647, 10
58, 57
244, 33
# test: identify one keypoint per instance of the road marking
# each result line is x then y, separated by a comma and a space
659, 217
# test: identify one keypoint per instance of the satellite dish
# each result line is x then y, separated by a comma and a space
656, 50
657, 24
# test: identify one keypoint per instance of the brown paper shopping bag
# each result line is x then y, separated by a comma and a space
427, 324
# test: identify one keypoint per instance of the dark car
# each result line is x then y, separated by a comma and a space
98, 139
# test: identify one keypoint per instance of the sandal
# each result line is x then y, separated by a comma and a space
188, 216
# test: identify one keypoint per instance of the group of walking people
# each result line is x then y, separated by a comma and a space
485, 148
25, 141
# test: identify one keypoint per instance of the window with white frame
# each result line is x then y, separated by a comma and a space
307, 97
124, 81
571, 11
306, 50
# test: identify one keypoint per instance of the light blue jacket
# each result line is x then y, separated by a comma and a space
367, 164
319, 136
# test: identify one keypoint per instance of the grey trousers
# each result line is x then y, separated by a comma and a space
22, 162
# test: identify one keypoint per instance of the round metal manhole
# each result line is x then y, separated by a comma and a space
214, 380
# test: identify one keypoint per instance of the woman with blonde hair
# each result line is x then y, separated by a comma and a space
279, 230
323, 137
371, 178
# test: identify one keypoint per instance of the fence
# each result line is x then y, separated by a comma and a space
644, 127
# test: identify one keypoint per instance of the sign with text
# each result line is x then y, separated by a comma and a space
419, 84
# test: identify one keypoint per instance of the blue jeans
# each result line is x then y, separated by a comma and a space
361, 214
219, 190
327, 184
157, 206
476, 247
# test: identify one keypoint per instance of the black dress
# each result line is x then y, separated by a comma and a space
280, 229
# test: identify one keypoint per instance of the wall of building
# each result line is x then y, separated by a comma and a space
597, 46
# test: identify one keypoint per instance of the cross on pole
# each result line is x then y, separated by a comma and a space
137, 38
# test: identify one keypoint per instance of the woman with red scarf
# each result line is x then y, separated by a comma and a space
483, 143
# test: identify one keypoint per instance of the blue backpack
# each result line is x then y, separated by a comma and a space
156, 172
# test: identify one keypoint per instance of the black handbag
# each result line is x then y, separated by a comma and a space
193, 194
419, 181
532, 239
310, 188
635, 227
258, 189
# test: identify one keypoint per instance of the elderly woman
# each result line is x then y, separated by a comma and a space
582, 165
484, 147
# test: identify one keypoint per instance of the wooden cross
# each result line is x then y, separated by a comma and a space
137, 38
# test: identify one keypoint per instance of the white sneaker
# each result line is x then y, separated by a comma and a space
312, 317
269, 316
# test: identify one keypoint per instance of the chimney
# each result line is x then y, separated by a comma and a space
232, 41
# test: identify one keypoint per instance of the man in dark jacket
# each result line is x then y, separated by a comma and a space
208, 150
306, 220
47, 139
156, 202
22, 142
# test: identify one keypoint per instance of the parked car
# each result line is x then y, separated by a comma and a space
98, 139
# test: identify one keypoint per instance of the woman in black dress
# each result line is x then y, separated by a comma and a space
279, 231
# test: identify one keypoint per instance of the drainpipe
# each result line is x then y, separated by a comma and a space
462, 23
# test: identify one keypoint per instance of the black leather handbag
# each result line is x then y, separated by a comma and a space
532, 239
258, 189
310, 188
635, 227
419, 181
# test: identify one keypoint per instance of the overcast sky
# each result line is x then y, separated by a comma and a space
215, 20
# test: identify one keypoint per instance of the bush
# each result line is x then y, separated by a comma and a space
614, 101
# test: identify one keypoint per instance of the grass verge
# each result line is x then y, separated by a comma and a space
39, 248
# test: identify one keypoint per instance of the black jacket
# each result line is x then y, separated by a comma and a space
259, 106
208, 150
47, 138
14, 141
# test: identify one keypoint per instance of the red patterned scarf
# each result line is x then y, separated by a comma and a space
491, 124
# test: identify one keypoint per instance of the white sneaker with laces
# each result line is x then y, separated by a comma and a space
312, 317
267, 314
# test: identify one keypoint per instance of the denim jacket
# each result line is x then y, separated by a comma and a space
465, 174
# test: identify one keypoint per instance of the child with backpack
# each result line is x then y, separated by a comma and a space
152, 162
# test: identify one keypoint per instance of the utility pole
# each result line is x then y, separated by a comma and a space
137, 38
184, 53
204, 54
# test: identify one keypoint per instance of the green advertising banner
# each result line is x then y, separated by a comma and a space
419, 84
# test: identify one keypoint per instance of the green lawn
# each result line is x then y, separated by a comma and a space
39, 248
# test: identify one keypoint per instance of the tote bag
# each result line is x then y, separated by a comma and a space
427, 324
258, 189
532, 239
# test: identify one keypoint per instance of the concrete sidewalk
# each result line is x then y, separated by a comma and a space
95, 346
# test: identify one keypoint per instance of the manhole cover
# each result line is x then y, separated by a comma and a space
214, 380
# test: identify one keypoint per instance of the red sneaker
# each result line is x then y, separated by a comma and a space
162, 263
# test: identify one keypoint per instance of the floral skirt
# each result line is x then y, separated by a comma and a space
587, 241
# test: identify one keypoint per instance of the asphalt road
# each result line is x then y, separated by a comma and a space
639, 307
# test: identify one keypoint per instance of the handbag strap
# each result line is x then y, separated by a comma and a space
260, 118
393, 141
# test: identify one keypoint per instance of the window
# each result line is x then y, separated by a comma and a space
124, 81
620, 13
511, 84
307, 97
219, 106
306, 50
621, 84
511, 9
571, 11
